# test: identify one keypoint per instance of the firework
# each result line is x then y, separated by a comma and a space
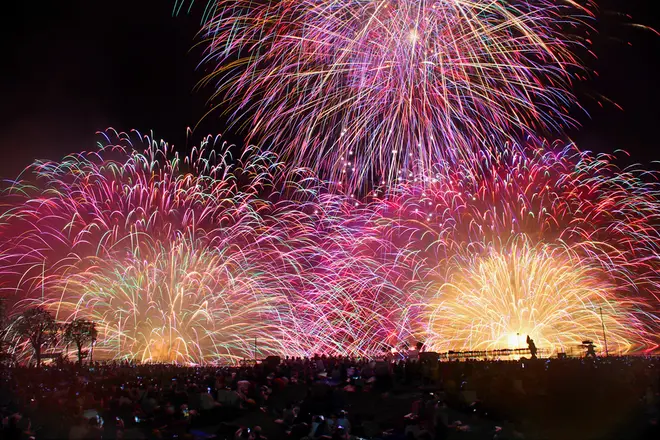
197, 259
352, 299
361, 89
178, 304
535, 241
496, 300
173, 258
206, 258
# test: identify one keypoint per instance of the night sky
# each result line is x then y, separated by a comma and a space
74, 67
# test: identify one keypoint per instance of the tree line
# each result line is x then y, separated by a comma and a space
36, 328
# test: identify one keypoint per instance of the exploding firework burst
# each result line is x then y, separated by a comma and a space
94, 203
178, 304
353, 297
173, 258
494, 301
189, 259
185, 260
575, 232
364, 88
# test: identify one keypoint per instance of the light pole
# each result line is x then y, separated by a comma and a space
602, 323
91, 352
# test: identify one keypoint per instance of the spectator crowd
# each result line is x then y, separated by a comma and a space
336, 399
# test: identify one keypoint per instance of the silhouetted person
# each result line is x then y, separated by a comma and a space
532, 347
591, 350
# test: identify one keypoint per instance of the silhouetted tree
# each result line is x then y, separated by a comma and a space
80, 332
38, 326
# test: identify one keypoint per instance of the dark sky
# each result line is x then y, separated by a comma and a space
73, 67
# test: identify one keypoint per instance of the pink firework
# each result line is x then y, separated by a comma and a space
360, 89
524, 233
190, 259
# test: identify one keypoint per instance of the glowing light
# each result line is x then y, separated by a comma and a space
494, 302
515, 340
413, 37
